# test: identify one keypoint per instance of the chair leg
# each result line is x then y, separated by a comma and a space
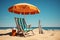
32, 32
26, 34
17, 32
23, 33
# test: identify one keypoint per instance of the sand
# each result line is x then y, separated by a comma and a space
47, 35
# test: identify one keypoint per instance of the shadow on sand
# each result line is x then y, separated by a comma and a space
10, 34
6, 34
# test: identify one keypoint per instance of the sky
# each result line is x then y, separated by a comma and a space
49, 15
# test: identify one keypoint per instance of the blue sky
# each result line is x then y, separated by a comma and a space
49, 15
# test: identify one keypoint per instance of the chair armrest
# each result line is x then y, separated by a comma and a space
28, 26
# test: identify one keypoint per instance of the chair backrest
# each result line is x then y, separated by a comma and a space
21, 22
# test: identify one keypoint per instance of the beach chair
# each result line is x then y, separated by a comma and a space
22, 26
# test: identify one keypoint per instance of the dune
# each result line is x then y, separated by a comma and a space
47, 35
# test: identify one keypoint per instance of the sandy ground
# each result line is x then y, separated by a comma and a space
47, 35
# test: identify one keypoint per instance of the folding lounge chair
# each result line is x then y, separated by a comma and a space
22, 26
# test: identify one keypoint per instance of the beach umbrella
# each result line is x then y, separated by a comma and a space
24, 9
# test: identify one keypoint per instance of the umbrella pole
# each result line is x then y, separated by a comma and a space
24, 16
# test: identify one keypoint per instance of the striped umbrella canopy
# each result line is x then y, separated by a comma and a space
24, 9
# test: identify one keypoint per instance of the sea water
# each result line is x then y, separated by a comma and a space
45, 28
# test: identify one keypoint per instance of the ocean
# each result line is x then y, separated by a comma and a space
45, 28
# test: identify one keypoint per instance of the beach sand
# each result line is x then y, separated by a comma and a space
47, 35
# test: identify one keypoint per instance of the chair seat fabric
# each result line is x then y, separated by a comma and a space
28, 29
